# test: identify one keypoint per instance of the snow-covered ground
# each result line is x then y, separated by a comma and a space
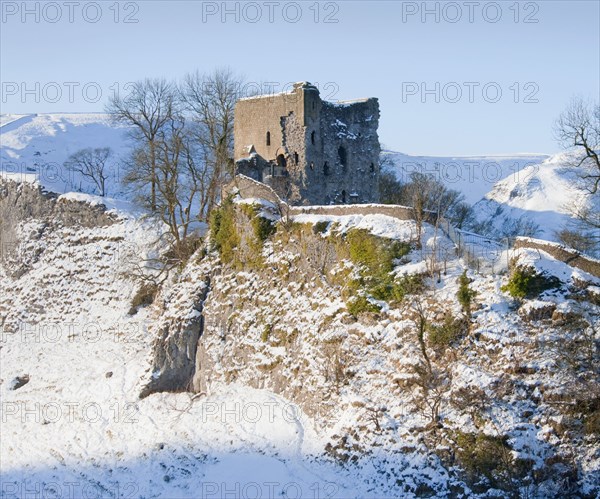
77, 427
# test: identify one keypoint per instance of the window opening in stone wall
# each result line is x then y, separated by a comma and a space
343, 157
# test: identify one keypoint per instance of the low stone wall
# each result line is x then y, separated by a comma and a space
396, 211
566, 255
248, 188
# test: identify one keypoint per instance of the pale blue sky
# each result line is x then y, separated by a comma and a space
375, 49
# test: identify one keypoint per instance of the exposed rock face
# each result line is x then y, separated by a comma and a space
179, 327
20, 202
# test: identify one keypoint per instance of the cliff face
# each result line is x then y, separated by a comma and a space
409, 384
397, 394
21, 202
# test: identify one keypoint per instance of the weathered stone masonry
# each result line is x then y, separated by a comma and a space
310, 151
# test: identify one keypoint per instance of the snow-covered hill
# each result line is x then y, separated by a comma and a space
473, 176
544, 194
288, 394
40, 143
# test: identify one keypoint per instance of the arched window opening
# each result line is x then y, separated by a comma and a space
343, 197
343, 157
312, 138
281, 161
296, 158
268, 138
326, 168
372, 168
312, 165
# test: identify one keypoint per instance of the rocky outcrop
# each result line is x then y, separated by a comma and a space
178, 329
25, 201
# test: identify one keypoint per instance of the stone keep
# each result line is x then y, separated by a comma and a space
308, 150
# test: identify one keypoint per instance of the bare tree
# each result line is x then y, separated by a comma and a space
210, 100
583, 231
579, 126
91, 163
147, 107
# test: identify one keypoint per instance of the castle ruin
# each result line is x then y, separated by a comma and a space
310, 151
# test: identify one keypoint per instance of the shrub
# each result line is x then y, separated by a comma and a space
181, 253
525, 282
263, 228
480, 454
360, 304
143, 297
320, 227
446, 334
375, 258
223, 232
394, 290
375, 254
266, 333
465, 294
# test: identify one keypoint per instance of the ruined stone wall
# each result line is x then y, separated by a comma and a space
254, 117
296, 190
353, 127
331, 149
566, 255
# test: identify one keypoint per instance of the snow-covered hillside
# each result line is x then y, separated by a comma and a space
76, 426
545, 194
40, 144
290, 393
473, 176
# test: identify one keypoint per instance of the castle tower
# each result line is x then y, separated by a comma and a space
308, 150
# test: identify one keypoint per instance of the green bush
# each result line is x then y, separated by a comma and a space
360, 304
484, 455
375, 257
394, 290
223, 232
465, 294
266, 333
320, 227
448, 333
525, 282
263, 228
375, 254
